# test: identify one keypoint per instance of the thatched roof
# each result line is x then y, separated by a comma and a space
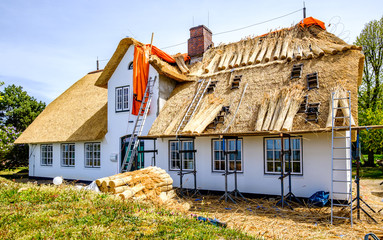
79, 114
266, 63
161, 66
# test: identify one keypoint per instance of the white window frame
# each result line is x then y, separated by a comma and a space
187, 158
46, 154
68, 154
272, 154
92, 151
221, 157
122, 99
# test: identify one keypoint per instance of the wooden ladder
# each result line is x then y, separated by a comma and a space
138, 127
194, 104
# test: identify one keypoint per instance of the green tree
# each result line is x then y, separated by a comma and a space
371, 89
17, 108
17, 111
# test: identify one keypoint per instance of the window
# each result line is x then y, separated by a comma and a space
273, 151
187, 157
130, 66
67, 154
122, 99
219, 156
92, 154
46, 154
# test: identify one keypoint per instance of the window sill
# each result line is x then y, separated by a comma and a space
279, 174
46, 165
223, 171
92, 167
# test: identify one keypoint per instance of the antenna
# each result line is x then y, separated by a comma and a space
304, 10
97, 62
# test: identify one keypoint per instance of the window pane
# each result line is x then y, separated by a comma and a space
270, 155
286, 144
269, 144
296, 167
217, 145
270, 167
277, 144
296, 155
296, 143
277, 166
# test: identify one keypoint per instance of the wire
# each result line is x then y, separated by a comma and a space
238, 29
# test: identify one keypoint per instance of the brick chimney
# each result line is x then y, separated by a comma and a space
200, 40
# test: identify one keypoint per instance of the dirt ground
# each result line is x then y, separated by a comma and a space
262, 218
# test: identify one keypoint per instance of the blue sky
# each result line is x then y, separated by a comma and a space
47, 45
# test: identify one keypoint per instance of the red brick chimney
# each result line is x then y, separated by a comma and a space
200, 40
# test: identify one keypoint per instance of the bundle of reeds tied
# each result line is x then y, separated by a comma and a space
145, 183
278, 109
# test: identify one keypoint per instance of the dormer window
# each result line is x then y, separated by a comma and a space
130, 66
122, 99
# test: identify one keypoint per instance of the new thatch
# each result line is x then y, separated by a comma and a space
266, 65
79, 114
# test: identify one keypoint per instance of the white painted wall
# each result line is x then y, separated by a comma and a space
56, 169
316, 167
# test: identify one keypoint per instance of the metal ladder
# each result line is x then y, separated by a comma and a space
138, 126
341, 164
194, 104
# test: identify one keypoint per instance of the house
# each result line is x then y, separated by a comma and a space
236, 102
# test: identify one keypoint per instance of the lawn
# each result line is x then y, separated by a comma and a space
31, 211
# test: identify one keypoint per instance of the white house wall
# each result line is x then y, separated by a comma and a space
78, 171
316, 167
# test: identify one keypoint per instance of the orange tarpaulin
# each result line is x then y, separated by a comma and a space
141, 71
307, 22
140, 76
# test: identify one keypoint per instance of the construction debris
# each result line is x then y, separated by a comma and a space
151, 183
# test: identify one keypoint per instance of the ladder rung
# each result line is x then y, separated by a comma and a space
341, 137
342, 127
340, 107
341, 158
341, 205
341, 217
340, 98
341, 148
342, 193
340, 169
341, 117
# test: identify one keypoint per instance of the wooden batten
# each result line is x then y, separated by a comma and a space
278, 49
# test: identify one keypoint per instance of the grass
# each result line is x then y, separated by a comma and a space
369, 172
31, 211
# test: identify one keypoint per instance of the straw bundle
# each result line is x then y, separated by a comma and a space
278, 49
209, 110
213, 62
143, 183
246, 52
270, 50
256, 49
280, 113
262, 112
339, 92
265, 45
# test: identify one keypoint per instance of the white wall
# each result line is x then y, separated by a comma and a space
316, 167
78, 172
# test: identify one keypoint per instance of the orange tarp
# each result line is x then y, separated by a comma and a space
307, 22
140, 76
141, 71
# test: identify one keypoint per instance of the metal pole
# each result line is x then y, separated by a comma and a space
180, 157
357, 175
304, 10
235, 166
332, 156
281, 160
290, 156
226, 166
